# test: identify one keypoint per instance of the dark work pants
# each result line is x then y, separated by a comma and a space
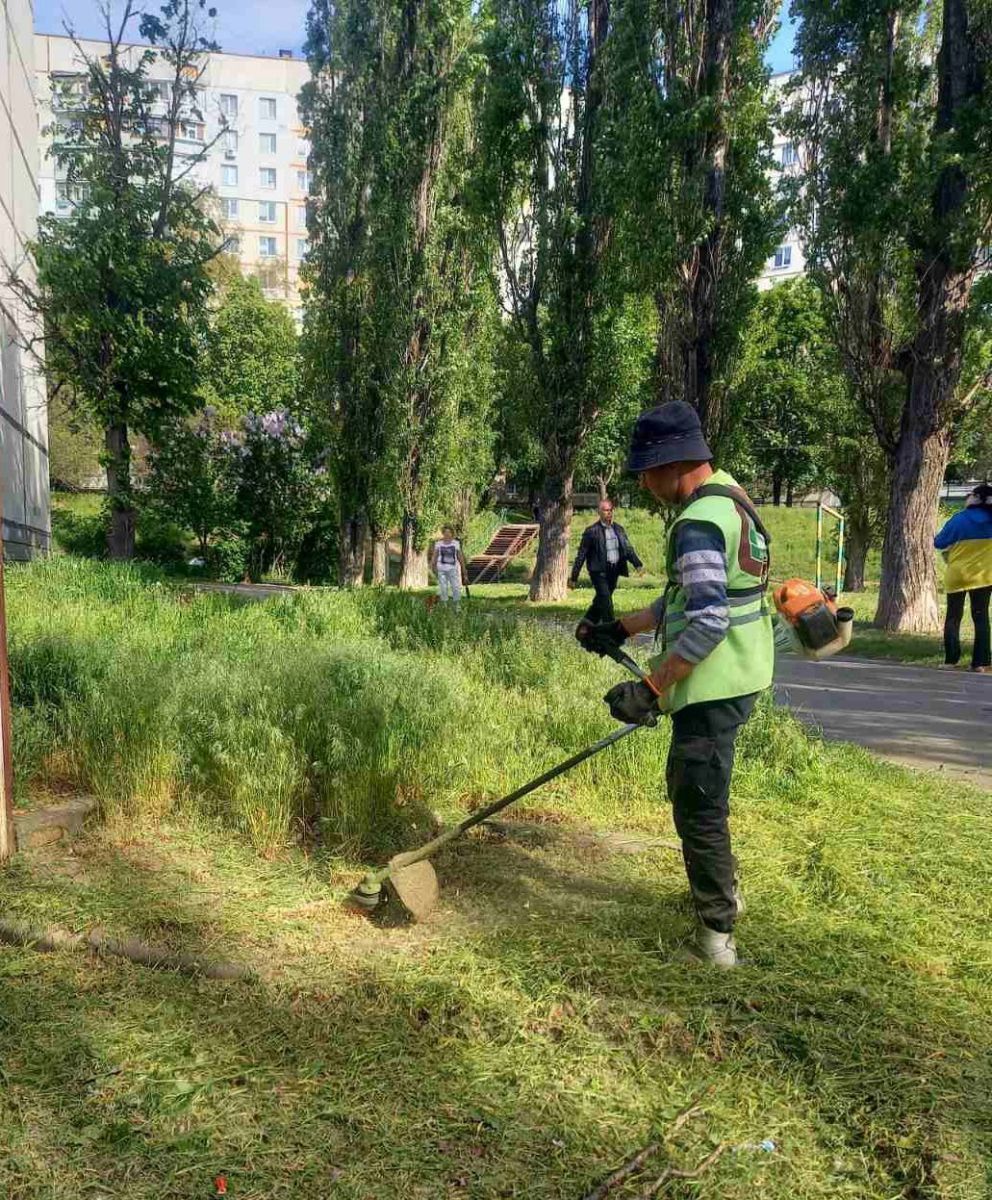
605, 583
981, 652
700, 764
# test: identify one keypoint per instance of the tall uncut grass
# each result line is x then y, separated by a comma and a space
354, 718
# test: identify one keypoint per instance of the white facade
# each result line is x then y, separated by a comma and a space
23, 409
256, 165
787, 261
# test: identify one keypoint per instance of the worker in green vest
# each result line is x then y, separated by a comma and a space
713, 634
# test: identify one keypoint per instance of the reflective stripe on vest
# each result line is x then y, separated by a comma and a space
742, 663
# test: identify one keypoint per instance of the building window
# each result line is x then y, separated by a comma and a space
302, 148
67, 196
191, 131
160, 90
301, 247
267, 108
266, 247
783, 257
229, 176
229, 106
267, 178
230, 141
303, 181
301, 216
229, 209
267, 211
233, 245
789, 155
266, 143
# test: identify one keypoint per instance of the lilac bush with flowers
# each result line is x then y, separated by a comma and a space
252, 495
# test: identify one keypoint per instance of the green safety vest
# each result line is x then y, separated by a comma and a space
744, 660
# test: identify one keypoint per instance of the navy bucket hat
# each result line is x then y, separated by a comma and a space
666, 434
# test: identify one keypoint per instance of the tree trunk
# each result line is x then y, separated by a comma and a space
907, 602
709, 265
789, 494
413, 562
550, 578
856, 547
120, 533
352, 550
464, 511
602, 485
380, 561
908, 599
777, 490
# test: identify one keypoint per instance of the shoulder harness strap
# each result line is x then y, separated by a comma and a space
742, 502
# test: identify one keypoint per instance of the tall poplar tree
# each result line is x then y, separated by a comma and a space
893, 115
541, 191
689, 160
395, 302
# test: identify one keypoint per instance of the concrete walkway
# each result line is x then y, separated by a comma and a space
936, 720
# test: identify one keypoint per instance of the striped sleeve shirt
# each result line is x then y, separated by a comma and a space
701, 572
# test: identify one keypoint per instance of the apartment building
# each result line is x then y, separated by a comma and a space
23, 409
256, 163
787, 259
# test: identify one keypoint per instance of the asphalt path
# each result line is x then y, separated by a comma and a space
920, 716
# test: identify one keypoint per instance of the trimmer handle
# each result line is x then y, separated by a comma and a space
625, 661
618, 655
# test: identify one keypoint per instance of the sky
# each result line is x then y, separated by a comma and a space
268, 26
243, 26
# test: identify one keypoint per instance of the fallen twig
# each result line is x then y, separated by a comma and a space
21, 933
634, 1166
653, 1190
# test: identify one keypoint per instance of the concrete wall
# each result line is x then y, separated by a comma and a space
23, 411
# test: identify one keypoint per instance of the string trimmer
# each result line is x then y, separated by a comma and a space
410, 882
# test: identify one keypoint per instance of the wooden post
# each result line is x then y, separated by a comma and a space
7, 842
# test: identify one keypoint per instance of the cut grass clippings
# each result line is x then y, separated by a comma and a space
535, 1033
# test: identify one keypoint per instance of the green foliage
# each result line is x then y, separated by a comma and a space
191, 478
785, 391
892, 109
251, 362
621, 374
398, 324
536, 1032
971, 456
540, 194
687, 165
122, 283
251, 496
79, 523
75, 446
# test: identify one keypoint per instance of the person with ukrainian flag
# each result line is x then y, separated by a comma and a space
966, 540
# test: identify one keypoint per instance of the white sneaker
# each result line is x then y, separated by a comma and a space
711, 947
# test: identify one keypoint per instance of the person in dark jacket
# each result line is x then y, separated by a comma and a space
966, 540
605, 551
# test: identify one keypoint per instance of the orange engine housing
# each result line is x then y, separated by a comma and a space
797, 596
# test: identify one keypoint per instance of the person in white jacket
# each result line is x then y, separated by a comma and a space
448, 564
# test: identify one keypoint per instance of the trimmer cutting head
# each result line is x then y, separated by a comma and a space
408, 892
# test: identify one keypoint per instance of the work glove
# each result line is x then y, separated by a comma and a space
606, 638
633, 703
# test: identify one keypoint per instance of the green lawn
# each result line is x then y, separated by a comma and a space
793, 534
535, 1032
